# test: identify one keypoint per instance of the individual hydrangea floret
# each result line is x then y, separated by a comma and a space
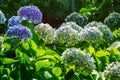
31, 13
107, 34
66, 35
72, 25
78, 18
2, 17
19, 31
14, 20
91, 35
112, 71
113, 19
77, 57
45, 32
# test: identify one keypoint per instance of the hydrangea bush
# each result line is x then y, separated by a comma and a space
70, 52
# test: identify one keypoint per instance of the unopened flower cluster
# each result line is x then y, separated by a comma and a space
78, 18
19, 31
77, 57
107, 34
66, 34
112, 71
31, 13
45, 32
2, 17
113, 19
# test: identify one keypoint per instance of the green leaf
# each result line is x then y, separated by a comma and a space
115, 51
9, 60
8, 71
40, 52
101, 53
7, 46
91, 49
33, 45
99, 63
57, 71
43, 64
25, 45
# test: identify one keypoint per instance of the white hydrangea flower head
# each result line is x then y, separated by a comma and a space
81, 60
112, 71
66, 35
91, 35
45, 32
72, 25
107, 34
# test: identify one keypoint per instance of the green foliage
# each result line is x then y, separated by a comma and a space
34, 60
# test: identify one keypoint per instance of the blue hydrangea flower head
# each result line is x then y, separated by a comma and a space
78, 18
107, 33
14, 20
113, 19
112, 71
77, 57
19, 31
92, 35
31, 13
2, 17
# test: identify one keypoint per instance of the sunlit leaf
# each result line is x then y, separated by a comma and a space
57, 71
101, 53
43, 64
115, 51
26, 46
91, 49
7, 46
9, 60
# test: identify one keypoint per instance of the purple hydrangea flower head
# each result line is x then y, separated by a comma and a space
14, 20
31, 13
2, 17
19, 31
